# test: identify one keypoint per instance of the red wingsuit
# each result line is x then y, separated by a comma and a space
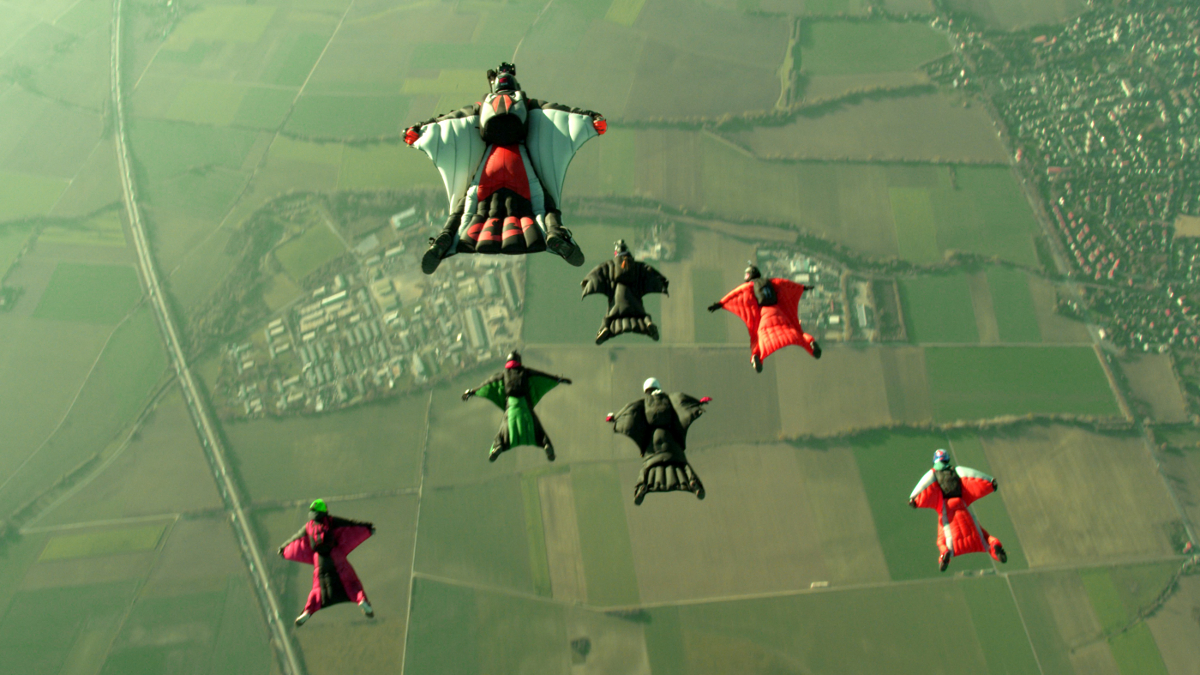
774, 326
958, 531
324, 544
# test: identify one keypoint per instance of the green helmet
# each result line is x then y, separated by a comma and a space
318, 506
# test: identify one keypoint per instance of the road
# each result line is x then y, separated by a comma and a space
209, 440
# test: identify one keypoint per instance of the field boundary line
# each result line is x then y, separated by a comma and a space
530, 29
1021, 616
412, 565
78, 393
263, 160
111, 522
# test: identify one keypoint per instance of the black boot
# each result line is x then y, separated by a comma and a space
437, 249
560, 242
816, 350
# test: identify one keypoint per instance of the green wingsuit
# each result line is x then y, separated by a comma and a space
516, 390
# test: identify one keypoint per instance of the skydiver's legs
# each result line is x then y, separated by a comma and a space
314, 600
810, 345
540, 437
501, 443
995, 548
445, 244
945, 547
559, 240
755, 353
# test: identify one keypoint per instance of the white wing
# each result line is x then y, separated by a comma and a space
456, 148
553, 138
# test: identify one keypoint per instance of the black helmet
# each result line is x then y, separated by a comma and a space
752, 272
504, 78
620, 248
514, 356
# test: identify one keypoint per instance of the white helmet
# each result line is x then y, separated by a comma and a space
651, 384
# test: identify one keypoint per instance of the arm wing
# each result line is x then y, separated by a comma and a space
741, 302
653, 281
456, 148
927, 494
539, 384
297, 549
789, 292
553, 138
493, 390
597, 281
975, 484
351, 533
687, 409
631, 421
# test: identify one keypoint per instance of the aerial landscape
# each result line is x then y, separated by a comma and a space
216, 307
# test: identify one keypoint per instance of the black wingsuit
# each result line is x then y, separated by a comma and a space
624, 281
658, 423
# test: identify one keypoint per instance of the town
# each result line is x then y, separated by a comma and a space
1103, 115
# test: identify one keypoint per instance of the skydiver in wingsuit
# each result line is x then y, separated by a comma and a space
503, 162
769, 308
324, 542
516, 390
624, 281
658, 422
950, 490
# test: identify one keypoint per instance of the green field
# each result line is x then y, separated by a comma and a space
987, 215
539, 565
604, 535
347, 116
206, 102
362, 449
1038, 615
101, 294
12, 240
105, 542
1134, 649
916, 229
116, 390
879, 630
553, 312
37, 633
460, 631
477, 534
393, 166
999, 627
290, 67
890, 465
982, 382
708, 285
854, 47
938, 309
164, 149
103, 230
1136, 653
24, 196
1013, 304
309, 252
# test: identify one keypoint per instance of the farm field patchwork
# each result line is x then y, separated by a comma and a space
1013, 305
371, 447
938, 309
982, 382
24, 195
309, 252
604, 536
111, 395
1010, 14
855, 47
1153, 384
102, 542
162, 470
1102, 499
319, 116
856, 398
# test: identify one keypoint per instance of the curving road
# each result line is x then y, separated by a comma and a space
209, 439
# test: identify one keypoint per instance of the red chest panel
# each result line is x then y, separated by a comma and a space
504, 169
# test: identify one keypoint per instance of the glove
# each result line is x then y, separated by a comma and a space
714, 307
995, 485
912, 503
564, 380
609, 417
411, 134
281, 550
706, 399
372, 528
600, 124
467, 394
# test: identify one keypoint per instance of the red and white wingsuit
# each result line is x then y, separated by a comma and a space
958, 530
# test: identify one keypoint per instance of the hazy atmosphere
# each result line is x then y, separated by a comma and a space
216, 307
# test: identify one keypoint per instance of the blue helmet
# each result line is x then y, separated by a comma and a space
941, 460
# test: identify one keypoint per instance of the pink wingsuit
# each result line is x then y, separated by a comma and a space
324, 543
